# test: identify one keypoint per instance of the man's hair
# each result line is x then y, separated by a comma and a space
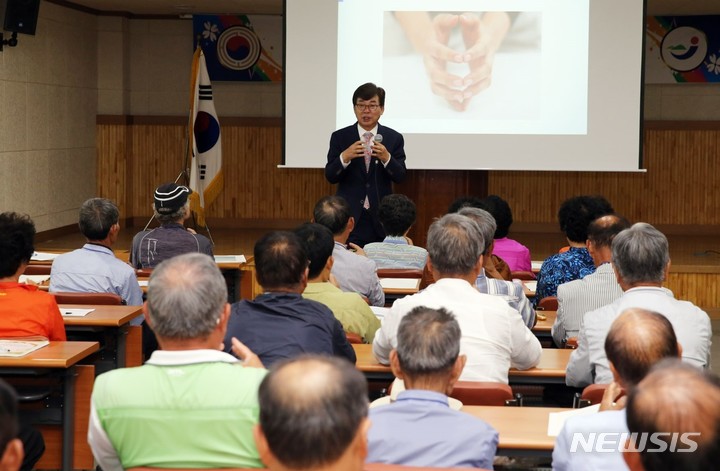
311, 408
640, 254
677, 398
186, 296
367, 91
175, 216
603, 230
332, 212
17, 234
428, 342
577, 213
636, 341
464, 202
9, 427
485, 222
97, 215
318, 242
396, 214
280, 260
454, 244
500, 210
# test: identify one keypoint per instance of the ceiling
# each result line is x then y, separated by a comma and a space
275, 7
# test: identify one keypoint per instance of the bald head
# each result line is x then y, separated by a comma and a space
311, 409
677, 398
637, 340
603, 230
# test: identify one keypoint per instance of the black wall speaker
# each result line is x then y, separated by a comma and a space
20, 15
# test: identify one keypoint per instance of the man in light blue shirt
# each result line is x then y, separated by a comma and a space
94, 268
420, 428
637, 340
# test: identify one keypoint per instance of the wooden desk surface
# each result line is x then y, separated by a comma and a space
519, 428
102, 316
545, 325
55, 355
553, 363
249, 264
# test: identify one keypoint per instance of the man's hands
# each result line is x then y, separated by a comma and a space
610, 399
357, 150
247, 356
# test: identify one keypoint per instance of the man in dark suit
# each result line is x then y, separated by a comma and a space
364, 165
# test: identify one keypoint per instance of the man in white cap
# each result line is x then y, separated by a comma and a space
172, 209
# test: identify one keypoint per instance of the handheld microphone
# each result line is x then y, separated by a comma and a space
378, 138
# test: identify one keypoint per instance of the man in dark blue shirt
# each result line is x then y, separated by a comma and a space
280, 323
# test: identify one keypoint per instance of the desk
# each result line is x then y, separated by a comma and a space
550, 370
521, 430
59, 359
543, 328
114, 322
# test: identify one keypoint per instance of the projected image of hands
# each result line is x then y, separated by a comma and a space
450, 60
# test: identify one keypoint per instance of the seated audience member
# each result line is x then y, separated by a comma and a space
597, 289
637, 340
313, 416
515, 254
11, 447
511, 292
575, 215
94, 268
641, 261
353, 271
420, 428
494, 337
681, 406
280, 323
24, 311
397, 215
349, 308
496, 268
172, 209
189, 404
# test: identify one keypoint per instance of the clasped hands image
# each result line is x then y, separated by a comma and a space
482, 34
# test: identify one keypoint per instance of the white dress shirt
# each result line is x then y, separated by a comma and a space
611, 422
589, 364
494, 337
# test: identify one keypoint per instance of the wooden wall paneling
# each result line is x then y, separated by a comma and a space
702, 289
112, 142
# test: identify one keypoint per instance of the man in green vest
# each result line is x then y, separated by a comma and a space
191, 405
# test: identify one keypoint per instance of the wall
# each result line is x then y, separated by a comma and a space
48, 103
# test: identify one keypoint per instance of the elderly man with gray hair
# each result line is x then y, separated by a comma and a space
172, 209
641, 260
190, 404
494, 337
420, 428
511, 292
94, 268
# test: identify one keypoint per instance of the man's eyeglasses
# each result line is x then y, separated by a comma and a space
372, 107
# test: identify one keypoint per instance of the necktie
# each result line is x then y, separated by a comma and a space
367, 140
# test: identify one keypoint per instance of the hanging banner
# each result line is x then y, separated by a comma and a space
682, 49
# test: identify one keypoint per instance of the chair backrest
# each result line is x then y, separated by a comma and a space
591, 395
399, 273
522, 275
37, 270
353, 337
549, 303
143, 272
397, 467
485, 393
110, 299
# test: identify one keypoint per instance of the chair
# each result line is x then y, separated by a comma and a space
549, 303
353, 337
571, 343
485, 393
522, 275
397, 467
143, 272
591, 395
37, 270
399, 273
108, 299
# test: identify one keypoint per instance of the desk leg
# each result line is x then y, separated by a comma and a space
68, 419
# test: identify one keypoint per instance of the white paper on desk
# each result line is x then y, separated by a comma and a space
536, 264
37, 279
379, 312
399, 283
230, 259
43, 256
67, 312
531, 285
143, 283
556, 421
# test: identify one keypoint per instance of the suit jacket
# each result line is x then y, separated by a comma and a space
354, 182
